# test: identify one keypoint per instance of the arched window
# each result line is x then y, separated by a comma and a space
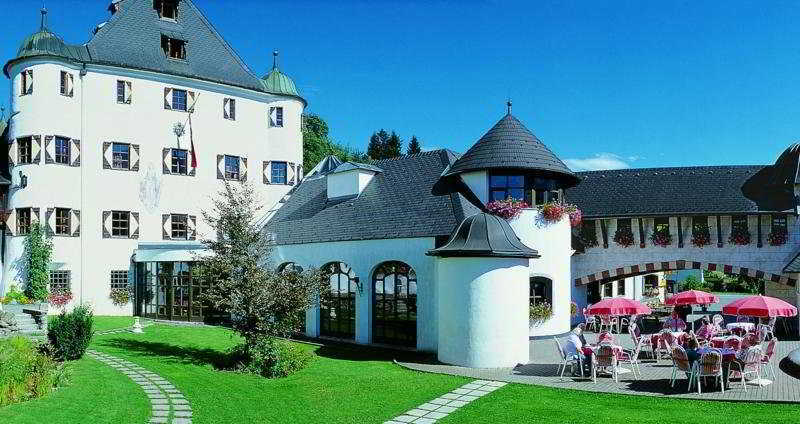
541, 291
338, 307
289, 266
394, 310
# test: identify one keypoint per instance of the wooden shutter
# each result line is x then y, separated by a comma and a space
75, 222
190, 100
106, 224
134, 223
29, 81
273, 117
35, 216
290, 173
134, 159
11, 222
166, 161
225, 105
242, 169
107, 155
168, 98
267, 175
36, 149
299, 172
12, 153
75, 153
49, 149
166, 226
128, 92
49, 219
70, 85
191, 227
220, 167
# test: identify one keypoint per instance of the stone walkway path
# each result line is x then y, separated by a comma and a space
167, 403
434, 410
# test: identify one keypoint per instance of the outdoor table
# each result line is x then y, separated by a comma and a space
589, 350
718, 342
747, 326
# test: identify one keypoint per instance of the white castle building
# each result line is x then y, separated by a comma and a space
101, 150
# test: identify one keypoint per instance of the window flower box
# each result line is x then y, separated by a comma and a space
701, 236
739, 236
661, 237
540, 312
624, 237
777, 238
506, 209
554, 211
60, 298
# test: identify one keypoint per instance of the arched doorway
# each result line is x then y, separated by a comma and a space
338, 307
394, 304
289, 267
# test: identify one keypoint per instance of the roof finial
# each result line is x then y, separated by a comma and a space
44, 16
508, 103
275, 59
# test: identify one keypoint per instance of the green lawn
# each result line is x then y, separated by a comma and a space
344, 384
111, 323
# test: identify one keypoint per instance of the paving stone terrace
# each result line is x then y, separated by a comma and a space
655, 380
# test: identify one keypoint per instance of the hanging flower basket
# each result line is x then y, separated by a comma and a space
739, 237
573, 309
701, 236
624, 237
661, 238
777, 238
507, 209
120, 297
60, 298
554, 211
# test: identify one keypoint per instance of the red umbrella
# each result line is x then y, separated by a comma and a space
692, 297
618, 306
760, 306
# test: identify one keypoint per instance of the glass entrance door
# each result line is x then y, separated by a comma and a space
170, 291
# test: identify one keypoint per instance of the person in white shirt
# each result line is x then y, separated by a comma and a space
575, 341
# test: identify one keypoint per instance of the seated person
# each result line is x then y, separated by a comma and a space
574, 345
605, 337
706, 330
580, 329
675, 323
691, 350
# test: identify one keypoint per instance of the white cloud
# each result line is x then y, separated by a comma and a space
600, 161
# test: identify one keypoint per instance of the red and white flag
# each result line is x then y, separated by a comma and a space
191, 139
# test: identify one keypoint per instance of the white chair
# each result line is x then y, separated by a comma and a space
638, 337
766, 358
749, 363
680, 362
605, 357
590, 320
570, 360
709, 365
632, 357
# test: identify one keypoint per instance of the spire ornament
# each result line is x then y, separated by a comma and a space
508, 103
44, 17
275, 59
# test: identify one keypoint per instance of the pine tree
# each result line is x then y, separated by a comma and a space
413, 146
375, 147
394, 147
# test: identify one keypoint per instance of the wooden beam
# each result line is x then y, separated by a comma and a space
719, 231
680, 233
604, 230
758, 225
641, 233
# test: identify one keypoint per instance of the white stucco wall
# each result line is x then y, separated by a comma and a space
554, 243
93, 116
348, 183
483, 311
363, 257
478, 183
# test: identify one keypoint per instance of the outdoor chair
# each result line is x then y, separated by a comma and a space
590, 320
709, 365
570, 360
632, 357
605, 357
766, 358
742, 319
765, 333
680, 362
739, 331
733, 342
605, 337
607, 323
748, 363
663, 347
637, 337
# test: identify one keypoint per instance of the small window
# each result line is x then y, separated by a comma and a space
63, 224
119, 280
608, 290
180, 161
231, 167
26, 82
229, 109
25, 150
624, 224
121, 156
739, 223
620, 287
62, 149
541, 291
276, 117
501, 187
120, 224
699, 224
779, 224
23, 221
661, 224
167, 9
60, 281
124, 95
173, 48
278, 173
179, 100
64, 84
180, 227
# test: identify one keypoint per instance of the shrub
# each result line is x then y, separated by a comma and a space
39, 249
26, 372
271, 357
70, 333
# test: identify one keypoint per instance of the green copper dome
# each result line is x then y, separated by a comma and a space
46, 43
276, 82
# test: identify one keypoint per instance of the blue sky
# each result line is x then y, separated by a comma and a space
602, 83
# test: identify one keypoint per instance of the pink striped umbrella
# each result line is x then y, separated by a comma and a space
615, 306
760, 306
692, 297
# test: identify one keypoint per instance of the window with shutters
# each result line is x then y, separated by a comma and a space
124, 92
231, 167
63, 222
229, 109
276, 117
24, 150
180, 228
120, 224
62, 150
179, 100
180, 161
64, 83
26, 82
60, 281
120, 156
173, 48
167, 9
119, 279
278, 173
778, 224
23, 221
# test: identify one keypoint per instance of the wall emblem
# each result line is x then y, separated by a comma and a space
150, 189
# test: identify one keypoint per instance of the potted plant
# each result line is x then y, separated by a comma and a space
701, 236
120, 296
661, 237
739, 236
624, 237
777, 237
554, 211
507, 209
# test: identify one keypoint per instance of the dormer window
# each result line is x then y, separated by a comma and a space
173, 48
167, 9
504, 186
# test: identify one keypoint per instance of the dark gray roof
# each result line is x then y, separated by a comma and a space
349, 166
510, 145
793, 263
324, 167
132, 38
664, 191
397, 203
484, 235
